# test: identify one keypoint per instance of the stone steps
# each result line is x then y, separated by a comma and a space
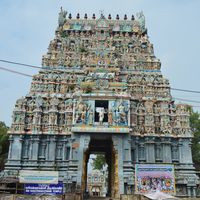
99, 198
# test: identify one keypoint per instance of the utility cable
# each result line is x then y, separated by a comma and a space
33, 66
16, 72
183, 90
27, 75
16, 63
187, 100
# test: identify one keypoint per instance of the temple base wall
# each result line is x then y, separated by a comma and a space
37, 153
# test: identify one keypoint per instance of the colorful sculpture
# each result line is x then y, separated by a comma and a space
101, 79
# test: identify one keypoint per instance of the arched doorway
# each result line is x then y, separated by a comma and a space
104, 147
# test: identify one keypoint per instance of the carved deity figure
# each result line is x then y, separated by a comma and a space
141, 19
110, 118
91, 116
141, 109
149, 106
37, 118
54, 103
52, 119
121, 112
101, 115
31, 104
69, 119
18, 118
81, 111
62, 17
68, 105
38, 102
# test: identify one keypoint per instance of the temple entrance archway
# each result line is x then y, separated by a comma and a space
103, 146
97, 175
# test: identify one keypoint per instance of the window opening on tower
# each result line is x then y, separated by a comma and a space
101, 111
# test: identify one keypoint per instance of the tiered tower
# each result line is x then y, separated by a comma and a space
101, 89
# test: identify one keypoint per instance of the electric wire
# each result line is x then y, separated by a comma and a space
33, 66
17, 63
188, 100
15, 72
184, 90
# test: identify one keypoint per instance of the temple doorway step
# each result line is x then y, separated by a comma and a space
93, 188
99, 198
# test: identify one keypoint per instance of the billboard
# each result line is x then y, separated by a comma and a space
53, 189
48, 177
154, 177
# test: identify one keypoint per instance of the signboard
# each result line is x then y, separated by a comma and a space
48, 177
153, 177
55, 189
88, 129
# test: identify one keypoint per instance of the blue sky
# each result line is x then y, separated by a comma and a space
27, 26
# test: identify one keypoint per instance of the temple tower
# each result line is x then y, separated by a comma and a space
101, 90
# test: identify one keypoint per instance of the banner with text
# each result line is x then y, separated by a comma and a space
48, 177
53, 189
153, 177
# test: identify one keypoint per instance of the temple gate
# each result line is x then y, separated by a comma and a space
101, 90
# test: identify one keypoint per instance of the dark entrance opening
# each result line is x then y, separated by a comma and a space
101, 106
97, 175
99, 146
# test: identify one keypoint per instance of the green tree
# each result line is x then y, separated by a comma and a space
195, 127
4, 144
98, 162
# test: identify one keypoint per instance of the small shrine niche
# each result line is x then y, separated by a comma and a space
101, 111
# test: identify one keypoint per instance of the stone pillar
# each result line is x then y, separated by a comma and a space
52, 148
141, 152
10, 147
17, 148
167, 158
185, 151
71, 149
59, 148
189, 191
127, 149
150, 150
43, 146
180, 150
64, 150
30, 153
46, 150
118, 175
128, 171
136, 150
194, 191
158, 152
35, 148
82, 147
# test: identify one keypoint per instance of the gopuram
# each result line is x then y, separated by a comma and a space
101, 90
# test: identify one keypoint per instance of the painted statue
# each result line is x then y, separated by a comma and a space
54, 103
53, 119
62, 17
91, 117
39, 102
122, 113
141, 19
37, 119
101, 115
81, 111
110, 118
